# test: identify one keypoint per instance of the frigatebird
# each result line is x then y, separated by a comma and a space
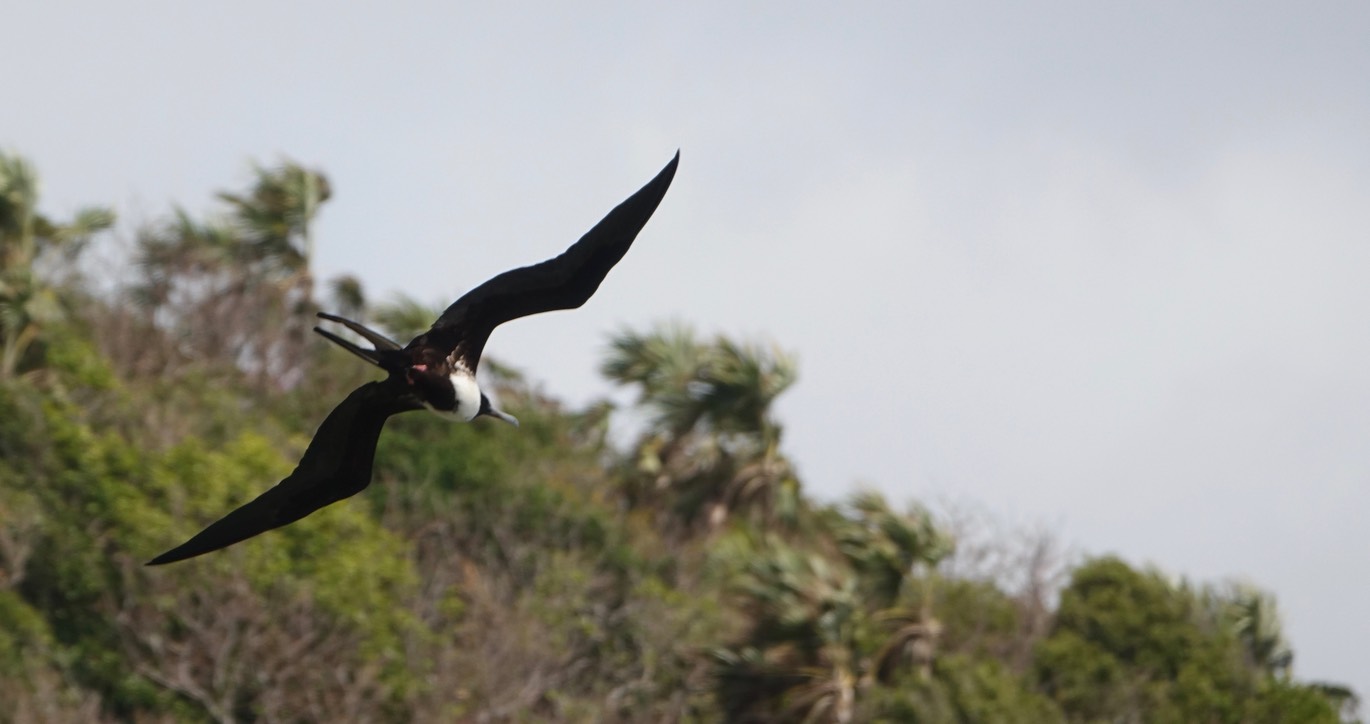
437, 371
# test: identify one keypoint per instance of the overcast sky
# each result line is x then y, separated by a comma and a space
1096, 267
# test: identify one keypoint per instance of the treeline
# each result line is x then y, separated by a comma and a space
497, 574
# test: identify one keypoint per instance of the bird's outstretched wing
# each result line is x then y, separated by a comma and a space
336, 465
564, 282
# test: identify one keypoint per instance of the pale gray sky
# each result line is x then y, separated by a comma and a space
1097, 266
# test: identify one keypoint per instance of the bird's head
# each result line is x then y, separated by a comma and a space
488, 409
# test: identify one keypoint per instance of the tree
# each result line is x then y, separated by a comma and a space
803, 658
889, 550
712, 447
1254, 618
277, 214
347, 296
238, 290
27, 240
827, 623
1132, 646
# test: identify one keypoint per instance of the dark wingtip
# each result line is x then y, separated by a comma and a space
654, 189
208, 540
166, 558
189, 549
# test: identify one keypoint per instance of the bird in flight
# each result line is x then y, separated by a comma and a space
437, 371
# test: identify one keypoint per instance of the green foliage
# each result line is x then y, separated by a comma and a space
29, 303
885, 546
824, 629
24, 634
277, 212
961, 690
712, 449
1132, 645
101, 500
977, 618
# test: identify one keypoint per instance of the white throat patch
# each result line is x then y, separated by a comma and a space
468, 395
468, 398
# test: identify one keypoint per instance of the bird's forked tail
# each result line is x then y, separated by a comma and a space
377, 356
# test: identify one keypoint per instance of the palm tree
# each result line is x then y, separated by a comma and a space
239, 288
27, 239
887, 547
827, 622
888, 550
276, 219
278, 212
802, 658
712, 447
347, 296
1253, 616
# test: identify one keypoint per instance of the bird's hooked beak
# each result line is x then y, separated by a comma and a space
488, 409
501, 414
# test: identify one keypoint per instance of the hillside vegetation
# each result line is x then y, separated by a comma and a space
496, 574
